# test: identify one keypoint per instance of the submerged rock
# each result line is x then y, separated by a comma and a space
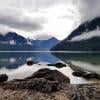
30, 63
86, 75
3, 78
78, 73
52, 75
58, 65
91, 76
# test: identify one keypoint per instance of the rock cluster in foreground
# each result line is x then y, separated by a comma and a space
44, 88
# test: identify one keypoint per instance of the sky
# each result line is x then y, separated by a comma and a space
45, 18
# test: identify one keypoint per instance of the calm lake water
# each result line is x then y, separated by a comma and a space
14, 64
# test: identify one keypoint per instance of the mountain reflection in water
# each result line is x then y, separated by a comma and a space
81, 61
13, 60
14, 63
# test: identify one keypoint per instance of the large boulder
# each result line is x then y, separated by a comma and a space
52, 75
3, 78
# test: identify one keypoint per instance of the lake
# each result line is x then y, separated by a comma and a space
14, 64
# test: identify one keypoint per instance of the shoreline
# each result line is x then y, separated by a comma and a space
25, 71
47, 84
84, 52
42, 89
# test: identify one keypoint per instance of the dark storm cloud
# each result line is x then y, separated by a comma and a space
12, 15
88, 9
15, 18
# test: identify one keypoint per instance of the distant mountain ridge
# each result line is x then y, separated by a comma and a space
45, 44
14, 42
84, 38
12, 36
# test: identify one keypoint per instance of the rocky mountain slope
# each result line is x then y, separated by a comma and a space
86, 37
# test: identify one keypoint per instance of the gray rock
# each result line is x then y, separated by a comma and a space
52, 75
91, 76
30, 63
37, 84
3, 78
42, 89
78, 73
58, 65
86, 75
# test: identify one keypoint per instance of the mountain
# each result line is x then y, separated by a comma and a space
12, 38
14, 42
45, 44
11, 41
86, 37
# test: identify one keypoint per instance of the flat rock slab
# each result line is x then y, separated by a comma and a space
42, 89
37, 84
82, 91
30, 95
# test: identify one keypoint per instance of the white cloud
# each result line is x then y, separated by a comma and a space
61, 20
39, 17
52, 17
4, 29
44, 36
86, 35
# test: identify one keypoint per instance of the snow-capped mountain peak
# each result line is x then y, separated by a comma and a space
12, 42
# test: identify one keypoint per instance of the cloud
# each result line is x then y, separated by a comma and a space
44, 36
17, 19
38, 17
88, 35
49, 3
33, 4
4, 29
88, 9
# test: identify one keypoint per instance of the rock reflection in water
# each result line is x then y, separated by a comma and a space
84, 62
